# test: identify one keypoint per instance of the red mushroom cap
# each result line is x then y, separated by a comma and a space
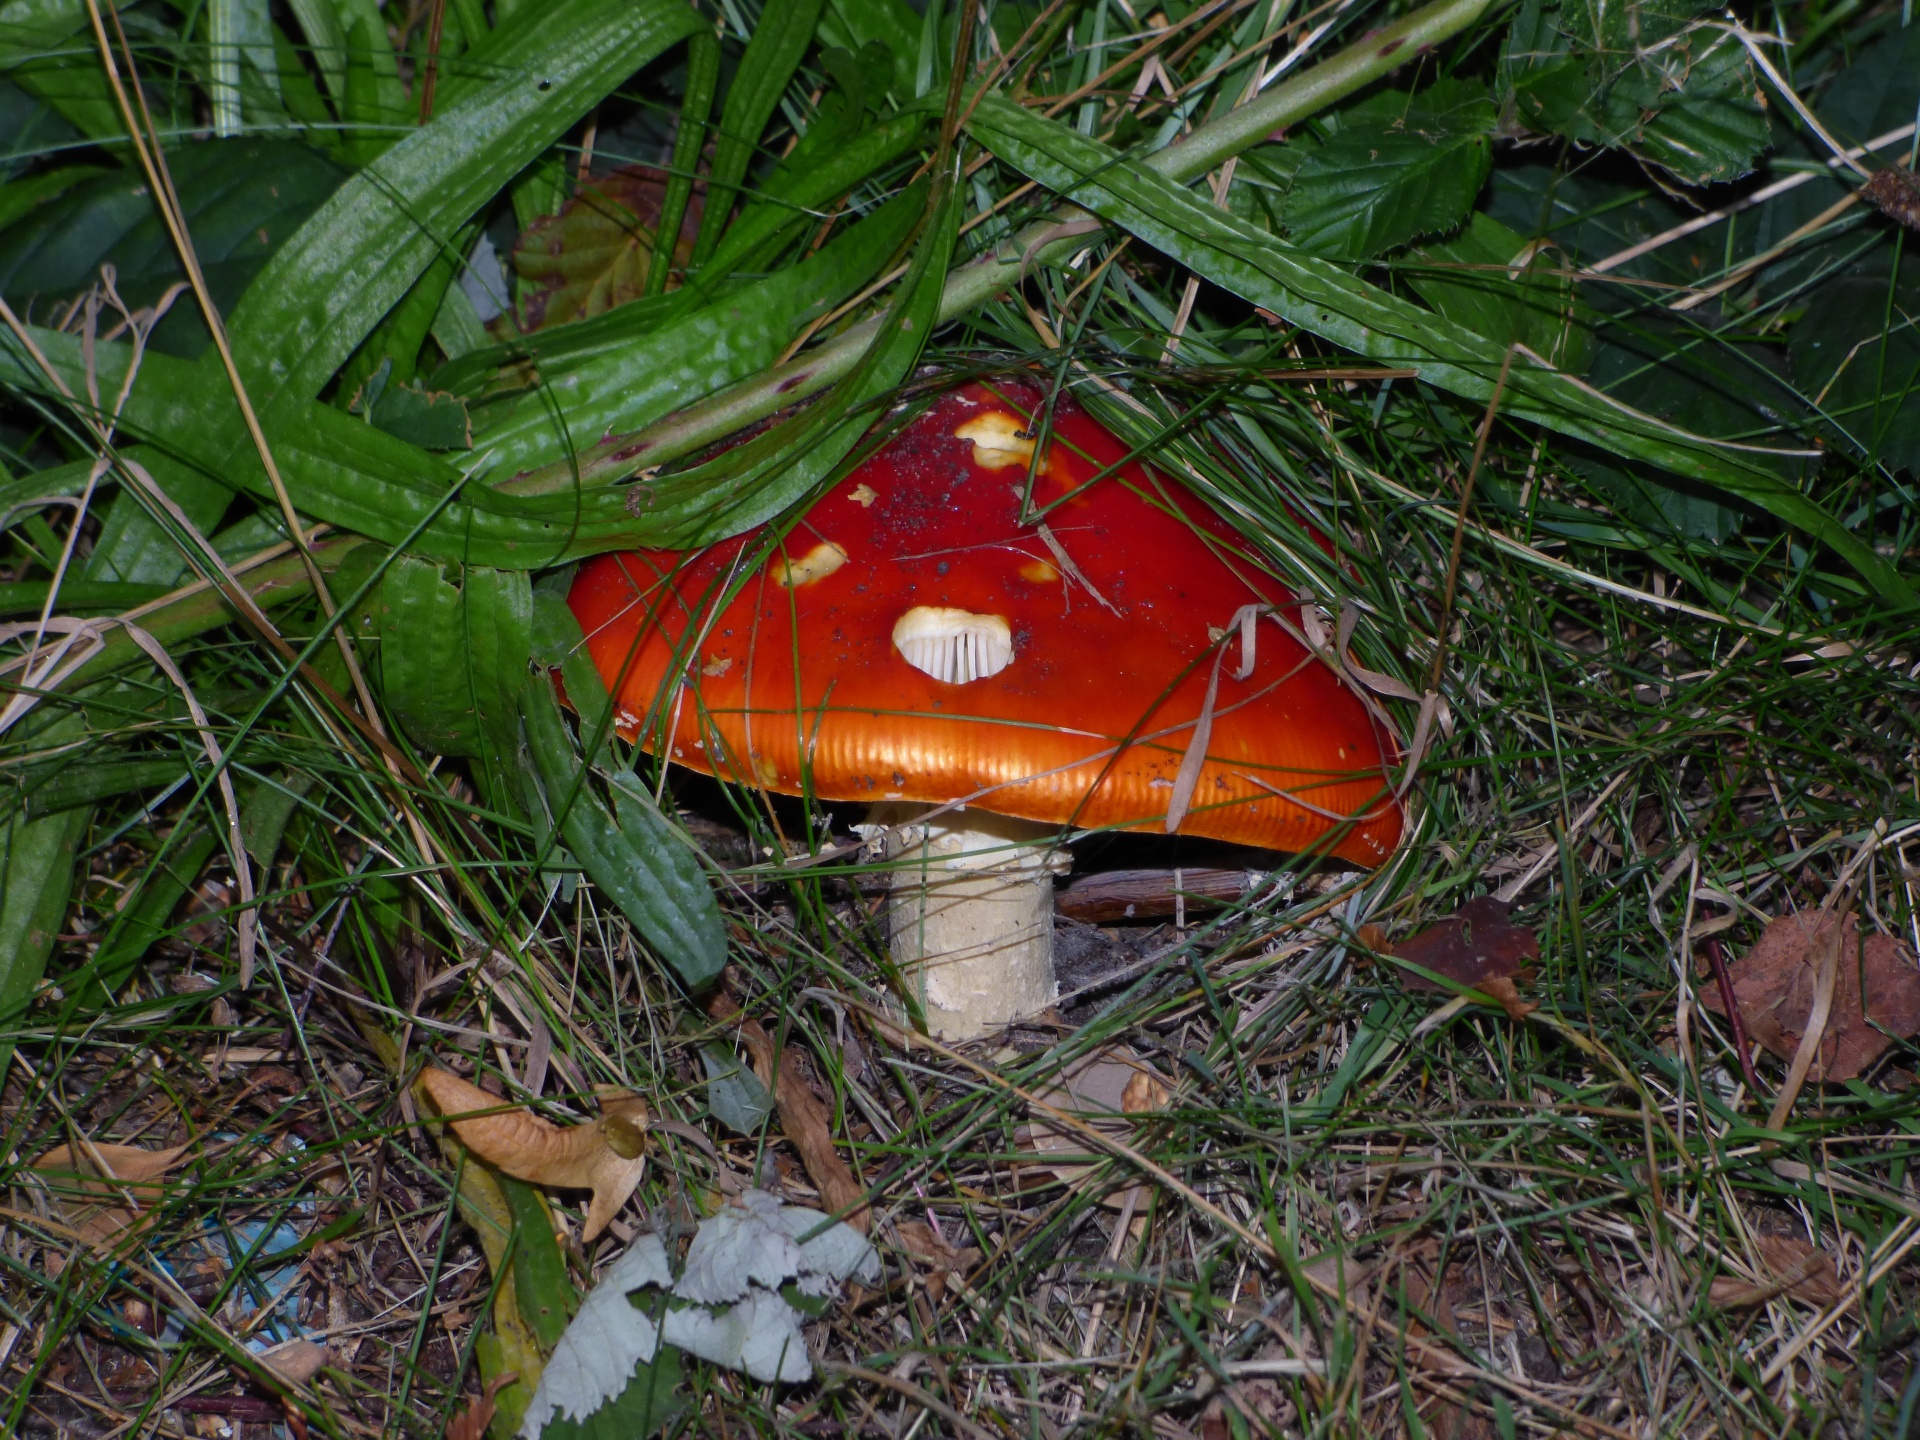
1076, 656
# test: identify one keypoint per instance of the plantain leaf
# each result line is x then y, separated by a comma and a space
350, 264
453, 656
757, 480
643, 862
773, 51
1326, 301
690, 359
36, 879
1398, 167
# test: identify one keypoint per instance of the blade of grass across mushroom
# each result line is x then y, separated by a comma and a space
1326, 301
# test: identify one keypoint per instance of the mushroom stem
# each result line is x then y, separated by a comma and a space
971, 921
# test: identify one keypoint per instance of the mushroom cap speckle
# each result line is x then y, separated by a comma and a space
910, 639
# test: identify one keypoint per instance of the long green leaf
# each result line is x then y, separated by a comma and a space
691, 359
779, 40
643, 863
1325, 300
36, 879
703, 78
330, 285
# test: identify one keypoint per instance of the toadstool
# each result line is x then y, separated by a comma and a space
911, 642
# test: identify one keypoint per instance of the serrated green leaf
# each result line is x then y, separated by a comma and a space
453, 657
646, 1407
1398, 167
431, 419
1367, 321
1661, 78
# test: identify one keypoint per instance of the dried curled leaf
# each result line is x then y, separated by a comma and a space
1876, 993
605, 1156
1104, 1088
1789, 1266
1477, 948
99, 1190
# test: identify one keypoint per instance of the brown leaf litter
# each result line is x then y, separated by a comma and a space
1788, 1266
1876, 993
1475, 947
100, 1188
1104, 1087
606, 1156
804, 1117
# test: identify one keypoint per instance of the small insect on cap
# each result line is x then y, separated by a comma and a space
913, 638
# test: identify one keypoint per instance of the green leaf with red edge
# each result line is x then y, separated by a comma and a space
596, 254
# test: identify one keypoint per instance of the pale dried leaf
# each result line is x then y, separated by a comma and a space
606, 1340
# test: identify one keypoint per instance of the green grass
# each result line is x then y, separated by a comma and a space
1665, 705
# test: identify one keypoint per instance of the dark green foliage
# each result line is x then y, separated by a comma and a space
640, 859
1397, 167
242, 200
453, 655
1661, 78
1856, 356
542, 1286
650, 1403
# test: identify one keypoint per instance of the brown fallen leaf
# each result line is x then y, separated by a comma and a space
296, 1361
1102, 1088
472, 1420
605, 1156
942, 1259
1789, 1266
1876, 993
99, 1191
804, 1117
1475, 947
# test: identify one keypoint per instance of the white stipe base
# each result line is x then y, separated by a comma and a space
971, 920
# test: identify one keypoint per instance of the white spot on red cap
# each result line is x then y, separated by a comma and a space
998, 440
955, 647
